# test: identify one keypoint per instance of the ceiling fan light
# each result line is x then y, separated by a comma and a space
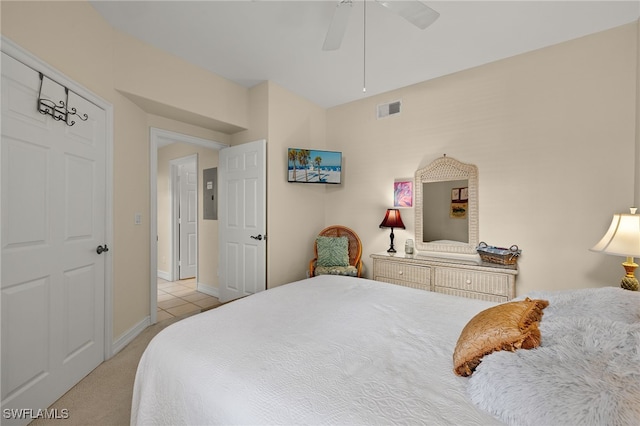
418, 13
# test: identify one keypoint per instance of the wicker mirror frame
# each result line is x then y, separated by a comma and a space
446, 169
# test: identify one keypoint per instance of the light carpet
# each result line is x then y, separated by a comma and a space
103, 397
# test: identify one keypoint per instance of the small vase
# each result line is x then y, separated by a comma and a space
408, 246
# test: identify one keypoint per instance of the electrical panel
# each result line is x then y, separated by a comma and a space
210, 193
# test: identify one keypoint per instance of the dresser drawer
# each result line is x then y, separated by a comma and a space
417, 285
470, 294
474, 281
398, 271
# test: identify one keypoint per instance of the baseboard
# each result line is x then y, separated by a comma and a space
164, 275
127, 337
207, 289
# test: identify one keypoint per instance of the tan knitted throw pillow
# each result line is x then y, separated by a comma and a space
505, 327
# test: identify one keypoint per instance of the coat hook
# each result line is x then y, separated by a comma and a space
59, 111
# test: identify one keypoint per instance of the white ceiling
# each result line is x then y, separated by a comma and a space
252, 41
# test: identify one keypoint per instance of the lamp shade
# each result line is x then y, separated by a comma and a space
623, 236
392, 219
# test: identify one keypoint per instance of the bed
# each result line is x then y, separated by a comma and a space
345, 350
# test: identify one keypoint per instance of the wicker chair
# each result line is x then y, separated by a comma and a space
355, 247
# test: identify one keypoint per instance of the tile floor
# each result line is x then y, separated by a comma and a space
177, 298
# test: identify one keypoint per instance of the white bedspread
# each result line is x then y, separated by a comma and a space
327, 350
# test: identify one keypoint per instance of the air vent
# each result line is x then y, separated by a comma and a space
391, 108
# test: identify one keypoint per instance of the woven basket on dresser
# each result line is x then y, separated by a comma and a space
499, 255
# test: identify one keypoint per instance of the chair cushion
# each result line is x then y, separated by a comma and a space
332, 251
350, 271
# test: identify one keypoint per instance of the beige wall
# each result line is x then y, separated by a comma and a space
163, 83
295, 212
258, 116
552, 133
165, 123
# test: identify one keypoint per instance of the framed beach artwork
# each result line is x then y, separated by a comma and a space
403, 193
314, 166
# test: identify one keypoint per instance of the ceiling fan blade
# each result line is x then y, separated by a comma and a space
338, 25
416, 12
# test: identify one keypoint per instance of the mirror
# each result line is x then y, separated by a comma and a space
446, 200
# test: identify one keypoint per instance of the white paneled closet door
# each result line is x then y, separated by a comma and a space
53, 220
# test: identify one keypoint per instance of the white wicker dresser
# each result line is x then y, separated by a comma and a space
459, 278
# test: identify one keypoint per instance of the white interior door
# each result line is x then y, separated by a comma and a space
53, 219
242, 220
188, 220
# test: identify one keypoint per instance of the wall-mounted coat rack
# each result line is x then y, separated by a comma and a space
61, 110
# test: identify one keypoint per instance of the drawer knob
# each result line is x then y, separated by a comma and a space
468, 281
400, 272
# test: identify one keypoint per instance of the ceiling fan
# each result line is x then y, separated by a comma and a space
413, 11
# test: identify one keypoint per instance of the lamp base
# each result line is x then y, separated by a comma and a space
629, 281
391, 248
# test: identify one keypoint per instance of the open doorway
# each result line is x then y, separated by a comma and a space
177, 230
183, 245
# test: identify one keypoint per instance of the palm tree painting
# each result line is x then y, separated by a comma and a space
303, 159
293, 156
314, 166
316, 162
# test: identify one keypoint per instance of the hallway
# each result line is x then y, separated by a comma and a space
177, 298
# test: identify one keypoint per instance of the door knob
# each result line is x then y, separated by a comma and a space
257, 237
101, 249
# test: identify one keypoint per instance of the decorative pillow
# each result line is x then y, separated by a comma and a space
332, 251
509, 326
